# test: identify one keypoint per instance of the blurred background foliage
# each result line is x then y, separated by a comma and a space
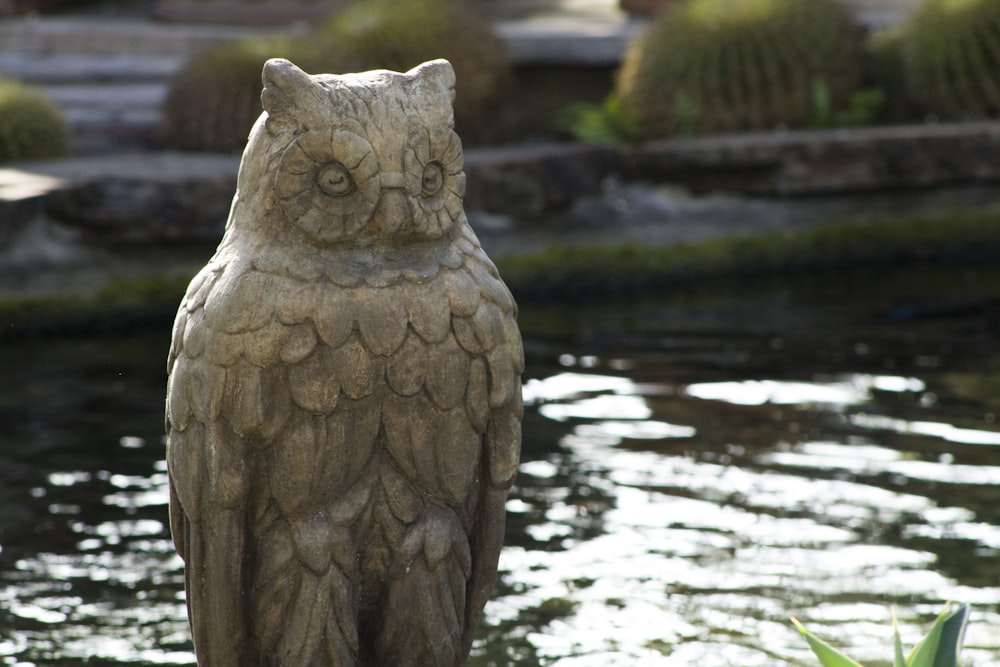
213, 101
725, 65
735, 65
699, 66
950, 54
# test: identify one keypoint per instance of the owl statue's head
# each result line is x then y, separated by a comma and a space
357, 158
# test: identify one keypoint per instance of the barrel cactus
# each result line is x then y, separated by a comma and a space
213, 101
31, 126
951, 57
387, 34
732, 65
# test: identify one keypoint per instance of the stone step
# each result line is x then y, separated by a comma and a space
122, 102
109, 77
102, 114
568, 38
117, 95
104, 36
56, 68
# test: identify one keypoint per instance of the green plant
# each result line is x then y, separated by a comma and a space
213, 101
729, 65
864, 107
383, 34
951, 57
31, 126
596, 123
940, 647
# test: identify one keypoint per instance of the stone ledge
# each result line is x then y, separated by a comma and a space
826, 161
532, 180
143, 197
135, 197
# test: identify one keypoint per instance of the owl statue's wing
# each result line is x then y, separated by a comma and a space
218, 402
492, 331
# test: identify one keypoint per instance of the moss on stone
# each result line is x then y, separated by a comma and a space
118, 306
583, 272
592, 272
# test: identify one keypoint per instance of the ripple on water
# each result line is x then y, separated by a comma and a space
679, 498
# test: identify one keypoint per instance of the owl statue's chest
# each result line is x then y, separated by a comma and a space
397, 345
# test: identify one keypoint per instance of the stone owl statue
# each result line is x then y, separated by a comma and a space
344, 395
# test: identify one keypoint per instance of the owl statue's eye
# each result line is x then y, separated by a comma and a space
433, 179
316, 190
335, 180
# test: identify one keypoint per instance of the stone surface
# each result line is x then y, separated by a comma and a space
344, 396
136, 197
153, 197
827, 161
529, 181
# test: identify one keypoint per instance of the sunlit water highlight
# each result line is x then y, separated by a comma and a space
689, 482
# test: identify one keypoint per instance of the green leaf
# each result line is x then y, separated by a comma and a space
952, 636
898, 659
828, 656
943, 642
925, 652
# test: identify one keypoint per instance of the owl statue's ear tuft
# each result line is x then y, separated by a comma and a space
285, 88
440, 72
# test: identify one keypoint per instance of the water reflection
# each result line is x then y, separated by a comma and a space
87, 570
711, 480
692, 477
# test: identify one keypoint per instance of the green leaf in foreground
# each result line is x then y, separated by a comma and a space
829, 656
942, 643
940, 647
897, 659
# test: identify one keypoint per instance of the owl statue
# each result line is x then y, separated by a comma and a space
344, 395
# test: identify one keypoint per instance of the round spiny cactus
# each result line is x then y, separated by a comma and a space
731, 65
383, 34
31, 127
951, 57
214, 100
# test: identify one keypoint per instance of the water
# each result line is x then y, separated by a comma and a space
697, 467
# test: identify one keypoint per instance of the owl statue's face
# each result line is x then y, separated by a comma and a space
361, 158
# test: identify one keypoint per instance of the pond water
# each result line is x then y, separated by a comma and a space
697, 467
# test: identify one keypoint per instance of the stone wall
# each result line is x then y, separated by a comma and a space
148, 197
826, 161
